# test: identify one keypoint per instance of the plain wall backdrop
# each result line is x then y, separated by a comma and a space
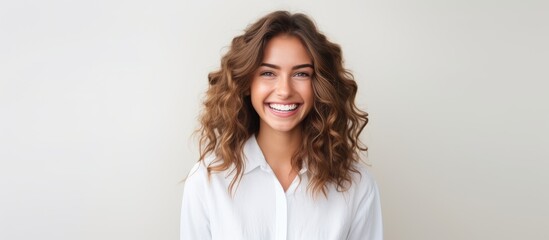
98, 101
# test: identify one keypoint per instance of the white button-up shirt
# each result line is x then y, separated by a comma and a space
260, 209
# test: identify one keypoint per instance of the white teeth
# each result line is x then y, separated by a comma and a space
283, 107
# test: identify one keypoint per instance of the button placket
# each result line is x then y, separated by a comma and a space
281, 210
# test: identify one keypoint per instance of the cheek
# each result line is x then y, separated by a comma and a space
257, 87
256, 95
307, 92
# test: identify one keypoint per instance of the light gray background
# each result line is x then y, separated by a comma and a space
98, 100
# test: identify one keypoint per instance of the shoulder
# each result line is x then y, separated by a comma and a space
201, 177
196, 177
363, 181
363, 175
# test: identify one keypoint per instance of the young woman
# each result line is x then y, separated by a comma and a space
279, 142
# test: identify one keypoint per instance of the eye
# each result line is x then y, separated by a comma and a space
302, 74
267, 74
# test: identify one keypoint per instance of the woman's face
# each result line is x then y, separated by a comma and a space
281, 89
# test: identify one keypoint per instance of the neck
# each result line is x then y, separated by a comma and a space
279, 147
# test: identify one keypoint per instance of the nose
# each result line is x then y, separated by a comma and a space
284, 87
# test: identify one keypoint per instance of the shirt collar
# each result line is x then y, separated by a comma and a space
254, 158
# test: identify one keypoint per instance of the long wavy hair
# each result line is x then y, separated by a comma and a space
330, 131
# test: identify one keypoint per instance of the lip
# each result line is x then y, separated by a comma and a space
283, 114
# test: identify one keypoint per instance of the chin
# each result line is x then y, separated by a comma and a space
284, 128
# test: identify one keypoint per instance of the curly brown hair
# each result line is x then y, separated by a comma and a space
331, 143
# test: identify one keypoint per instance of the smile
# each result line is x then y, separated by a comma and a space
283, 107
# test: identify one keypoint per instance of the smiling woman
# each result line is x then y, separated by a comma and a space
281, 89
279, 128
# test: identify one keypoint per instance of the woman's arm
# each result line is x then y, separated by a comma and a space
195, 223
367, 224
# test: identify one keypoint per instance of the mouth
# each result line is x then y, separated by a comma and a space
283, 107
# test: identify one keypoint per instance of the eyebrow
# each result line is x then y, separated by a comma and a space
293, 68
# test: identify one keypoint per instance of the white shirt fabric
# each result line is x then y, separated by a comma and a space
260, 209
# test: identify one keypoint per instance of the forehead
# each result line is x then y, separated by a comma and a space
286, 50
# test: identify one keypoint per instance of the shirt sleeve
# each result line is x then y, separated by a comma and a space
367, 224
195, 222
